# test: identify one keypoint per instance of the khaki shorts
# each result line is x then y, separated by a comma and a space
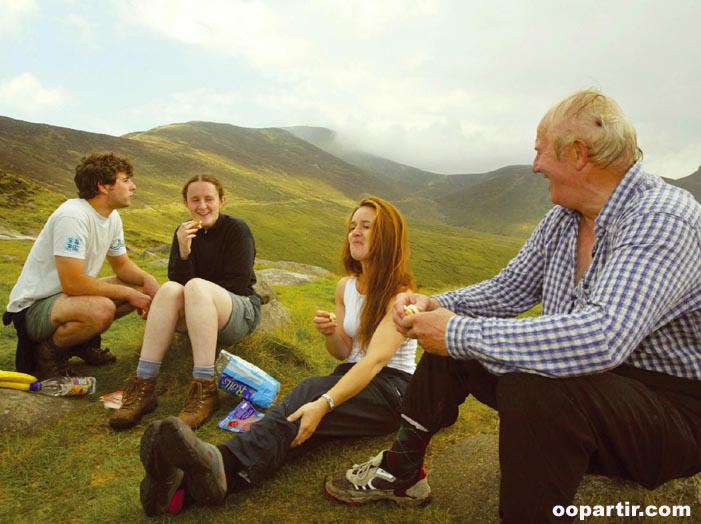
244, 319
38, 318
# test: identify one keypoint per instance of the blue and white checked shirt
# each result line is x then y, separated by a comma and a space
639, 302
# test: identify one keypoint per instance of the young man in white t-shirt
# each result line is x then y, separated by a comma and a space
58, 304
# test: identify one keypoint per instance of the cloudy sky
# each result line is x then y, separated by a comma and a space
450, 86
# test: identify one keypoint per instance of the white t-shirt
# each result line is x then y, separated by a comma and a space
74, 230
405, 357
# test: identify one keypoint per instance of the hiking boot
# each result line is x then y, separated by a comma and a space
159, 486
50, 360
92, 353
139, 398
202, 400
367, 482
202, 463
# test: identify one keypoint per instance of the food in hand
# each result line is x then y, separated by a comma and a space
198, 223
411, 309
332, 317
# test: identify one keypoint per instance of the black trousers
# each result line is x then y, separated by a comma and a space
374, 411
627, 423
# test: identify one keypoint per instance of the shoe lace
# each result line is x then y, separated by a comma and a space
362, 470
132, 394
195, 397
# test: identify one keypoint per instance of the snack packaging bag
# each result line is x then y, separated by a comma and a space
240, 418
112, 400
242, 378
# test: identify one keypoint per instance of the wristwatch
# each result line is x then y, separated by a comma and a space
328, 398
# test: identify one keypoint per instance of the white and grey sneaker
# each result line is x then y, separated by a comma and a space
367, 482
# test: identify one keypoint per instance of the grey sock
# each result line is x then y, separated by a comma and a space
147, 369
203, 372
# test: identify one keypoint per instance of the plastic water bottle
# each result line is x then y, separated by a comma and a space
65, 386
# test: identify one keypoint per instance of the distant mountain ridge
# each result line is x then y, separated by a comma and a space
509, 201
283, 165
410, 178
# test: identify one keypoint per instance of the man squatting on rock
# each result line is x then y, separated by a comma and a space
58, 305
607, 379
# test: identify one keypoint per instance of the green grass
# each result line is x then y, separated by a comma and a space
77, 470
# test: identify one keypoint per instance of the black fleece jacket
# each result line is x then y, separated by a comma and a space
223, 254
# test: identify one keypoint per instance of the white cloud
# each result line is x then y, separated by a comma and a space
81, 27
363, 18
15, 15
248, 29
184, 106
675, 164
446, 85
325, 62
25, 94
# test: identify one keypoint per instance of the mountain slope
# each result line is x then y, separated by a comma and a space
275, 152
295, 197
508, 201
691, 183
407, 177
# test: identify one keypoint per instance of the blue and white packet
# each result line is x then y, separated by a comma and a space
242, 378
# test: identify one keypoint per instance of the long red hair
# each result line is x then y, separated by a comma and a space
388, 269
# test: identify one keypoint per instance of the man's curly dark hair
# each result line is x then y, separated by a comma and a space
99, 168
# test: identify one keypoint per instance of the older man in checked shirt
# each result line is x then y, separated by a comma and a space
608, 379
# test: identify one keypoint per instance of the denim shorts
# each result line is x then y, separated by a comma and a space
244, 319
38, 318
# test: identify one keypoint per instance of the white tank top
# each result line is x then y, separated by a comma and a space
405, 357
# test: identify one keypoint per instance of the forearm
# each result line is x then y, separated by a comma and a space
84, 285
492, 298
355, 380
337, 346
130, 273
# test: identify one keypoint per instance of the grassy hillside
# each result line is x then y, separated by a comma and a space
509, 201
295, 196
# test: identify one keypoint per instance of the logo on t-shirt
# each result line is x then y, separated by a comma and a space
72, 245
117, 244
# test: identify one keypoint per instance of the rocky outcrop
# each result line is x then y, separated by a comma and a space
465, 480
22, 412
273, 312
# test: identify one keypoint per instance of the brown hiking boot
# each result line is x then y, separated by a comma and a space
202, 400
139, 398
50, 360
93, 356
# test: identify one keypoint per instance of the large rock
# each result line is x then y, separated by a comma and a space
295, 267
22, 412
465, 480
282, 277
273, 314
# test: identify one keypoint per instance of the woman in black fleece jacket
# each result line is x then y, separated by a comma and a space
210, 295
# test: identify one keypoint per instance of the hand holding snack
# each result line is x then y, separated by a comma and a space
186, 232
325, 322
411, 309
